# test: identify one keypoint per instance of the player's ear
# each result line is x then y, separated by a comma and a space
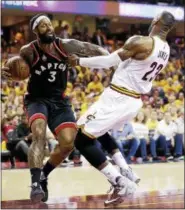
35, 31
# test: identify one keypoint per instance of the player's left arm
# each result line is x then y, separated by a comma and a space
132, 47
82, 49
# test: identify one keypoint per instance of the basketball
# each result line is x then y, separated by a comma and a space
19, 69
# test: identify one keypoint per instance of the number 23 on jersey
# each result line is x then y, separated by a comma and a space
156, 68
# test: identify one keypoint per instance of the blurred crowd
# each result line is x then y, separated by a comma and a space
157, 131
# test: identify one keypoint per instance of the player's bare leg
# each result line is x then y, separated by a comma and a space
35, 158
66, 139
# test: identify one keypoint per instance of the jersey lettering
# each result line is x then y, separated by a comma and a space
53, 76
154, 66
163, 55
48, 74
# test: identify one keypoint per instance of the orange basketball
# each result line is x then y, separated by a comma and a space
19, 69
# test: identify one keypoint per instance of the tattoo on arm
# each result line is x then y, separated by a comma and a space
83, 49
26, 52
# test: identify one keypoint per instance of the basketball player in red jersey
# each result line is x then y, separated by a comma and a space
45, 102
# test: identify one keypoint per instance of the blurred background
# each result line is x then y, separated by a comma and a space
157, 133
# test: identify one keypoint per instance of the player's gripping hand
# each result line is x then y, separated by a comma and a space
5, 73
73, 60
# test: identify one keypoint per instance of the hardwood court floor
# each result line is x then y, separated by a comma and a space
161, 186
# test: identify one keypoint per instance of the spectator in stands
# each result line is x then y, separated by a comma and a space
24, 137
160, 115
180, 99
95, 86
125, 138
5, 88
98, 38
58, 29
64, 34
173, 112
78, 93
152, 124
164, 135
141, 132
86, 37
179, 135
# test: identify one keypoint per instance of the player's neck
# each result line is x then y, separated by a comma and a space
156, 31
162, 35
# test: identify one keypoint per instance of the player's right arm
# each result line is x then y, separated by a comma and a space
136, 47
26, 52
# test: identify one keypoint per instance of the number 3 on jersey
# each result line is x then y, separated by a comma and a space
154, 66
53, 76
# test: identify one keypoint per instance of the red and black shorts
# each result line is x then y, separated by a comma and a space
57, 112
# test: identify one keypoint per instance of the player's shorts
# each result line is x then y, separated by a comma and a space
57, 112
112, 110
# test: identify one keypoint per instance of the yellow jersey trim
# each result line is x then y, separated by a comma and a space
125, 91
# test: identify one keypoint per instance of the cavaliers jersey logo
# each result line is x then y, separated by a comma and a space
90, 117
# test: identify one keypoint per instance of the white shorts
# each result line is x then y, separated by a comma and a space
112, 110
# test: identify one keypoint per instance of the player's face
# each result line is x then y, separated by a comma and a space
45, 31
154, 22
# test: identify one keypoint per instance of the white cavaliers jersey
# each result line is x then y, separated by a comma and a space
137, 75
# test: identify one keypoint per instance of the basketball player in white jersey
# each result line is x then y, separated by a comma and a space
139, 61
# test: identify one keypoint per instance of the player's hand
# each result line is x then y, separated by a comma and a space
5, 73
73, 60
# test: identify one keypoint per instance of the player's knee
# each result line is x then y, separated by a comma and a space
38, 128
66, 138
66, 142
69, 141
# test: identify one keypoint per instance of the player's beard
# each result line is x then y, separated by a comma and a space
47, 39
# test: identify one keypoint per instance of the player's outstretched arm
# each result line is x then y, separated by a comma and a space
133, 46
82, 49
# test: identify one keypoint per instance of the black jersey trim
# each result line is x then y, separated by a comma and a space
61, 51
37, 54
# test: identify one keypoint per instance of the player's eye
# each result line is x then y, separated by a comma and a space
43, 26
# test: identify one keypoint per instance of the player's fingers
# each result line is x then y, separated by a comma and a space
6, 75
72, 59
5, 68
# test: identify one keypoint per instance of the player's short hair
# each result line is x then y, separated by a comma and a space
34, 18
167, 20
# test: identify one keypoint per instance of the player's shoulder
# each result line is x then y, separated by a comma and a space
27, 47
27, 53
138, 39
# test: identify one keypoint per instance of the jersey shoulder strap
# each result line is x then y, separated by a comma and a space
59, 47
